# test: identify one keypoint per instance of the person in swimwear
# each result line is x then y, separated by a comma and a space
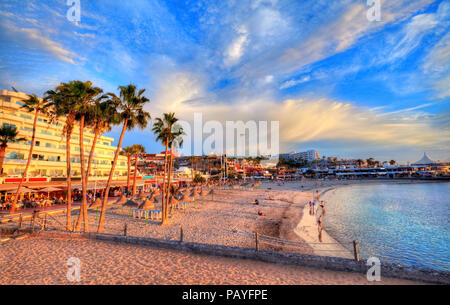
319, 223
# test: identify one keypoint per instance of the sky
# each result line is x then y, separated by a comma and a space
337, 81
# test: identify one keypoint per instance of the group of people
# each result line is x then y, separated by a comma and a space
315, 211
39, 200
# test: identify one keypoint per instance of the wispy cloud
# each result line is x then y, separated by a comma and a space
31, 37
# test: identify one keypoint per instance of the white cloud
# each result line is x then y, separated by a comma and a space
236, 49
32, 37
293, 82
303, 120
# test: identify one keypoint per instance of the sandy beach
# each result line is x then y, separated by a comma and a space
42, 261
229, 219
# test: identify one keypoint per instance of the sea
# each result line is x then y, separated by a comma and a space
406, 223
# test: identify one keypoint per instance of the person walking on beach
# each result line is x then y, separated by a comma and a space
313, 207
310, 208
322, 205
319, 223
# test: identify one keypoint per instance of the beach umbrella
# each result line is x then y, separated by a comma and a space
147, 205
194, 193
96, 204
185, 198
122, 200
49, 189
22, 190
131, 204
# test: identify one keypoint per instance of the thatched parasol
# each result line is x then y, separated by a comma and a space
185, 198
122, 200
96, 204
131, 204
147, 205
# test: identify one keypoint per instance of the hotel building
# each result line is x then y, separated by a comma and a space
49, 152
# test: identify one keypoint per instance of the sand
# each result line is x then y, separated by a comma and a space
227, 219
44, 261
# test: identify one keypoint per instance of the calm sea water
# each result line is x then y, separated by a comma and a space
400, 223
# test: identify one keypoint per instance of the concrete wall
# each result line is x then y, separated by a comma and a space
322, 262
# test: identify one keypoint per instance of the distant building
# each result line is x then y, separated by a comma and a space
308, 156
424, 161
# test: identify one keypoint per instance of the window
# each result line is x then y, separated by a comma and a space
38, 143
46, 132
27, 129
9, 125
25, 116
20, 103
106, 143
17, 156
50, 145
86, 141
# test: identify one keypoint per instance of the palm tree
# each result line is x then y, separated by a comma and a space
128, 152
359, 162
192, 159
370, 162
392, 162
175, 140
162, 128
36, 105
99, 116
82, 96
64, 106
132, 113
137, 150
8, 134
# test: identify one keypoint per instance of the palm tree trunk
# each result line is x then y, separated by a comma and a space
2, 156
169, 179
24, 175
135, 174
108, 185
91, 158
69, 181
83, 183
163, 218
128, 174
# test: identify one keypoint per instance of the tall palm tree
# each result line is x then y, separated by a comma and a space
36, 105
138, 149
392, 162
359, 162
162, 128
8, 134
100, 116
82, 96
175, 140
370, 162
64, 106
131, 110
128, 152
192, 159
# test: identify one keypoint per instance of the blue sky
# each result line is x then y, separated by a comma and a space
337, 82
